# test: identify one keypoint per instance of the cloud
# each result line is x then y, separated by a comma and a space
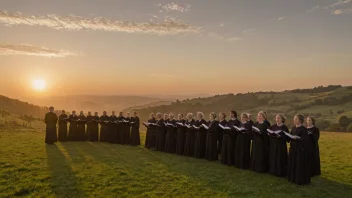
24, 49
222, 25
281, 18
169, 26
223, 38
249, 31
175, 7
342, 11
313, 9
340, 3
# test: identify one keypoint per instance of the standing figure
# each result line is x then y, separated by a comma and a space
190, 136
62, 134
181, 135
314, 134
150, 134
104, 120
81, 127
170, 139
229, 140
243, 143
200, 136
93, 134
223, 122
112, 128
120, 129
135, 136
50, 122
278, 147
127, 129
160, 133
72, 131
211, 151
299, 171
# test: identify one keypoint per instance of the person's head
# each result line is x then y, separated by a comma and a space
298, 119
200, 116
266, 115
189, 116
171, 116
222, 116
104, 113
158, 115
233, 114
96, 114
280, 119
128, 114
51, 109
310, 121
166, 116
63, 112
89, 113
261, 117
244, 117
249, 116
180, 116
135, 113
81, 113
151, 115
73, 112
120, 113
212, 116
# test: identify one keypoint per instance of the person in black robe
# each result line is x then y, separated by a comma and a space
190, 136
160, 133
72, 131
62, 134
299, 171
243, 143
135, 136
112, 128
181, 135
150, 134
278, 148
170, 139
166, 118
222, 117
314, 134
120, 129
81, 127
92, 127
260, 146
211, 146
127, 129
104, 121
50, 122
266, 119
229, 140
200, 136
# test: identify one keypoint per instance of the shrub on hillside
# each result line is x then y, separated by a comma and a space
344, 121
349, 128
335, 127
322, 124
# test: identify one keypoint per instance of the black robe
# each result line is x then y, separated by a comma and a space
62, 134
112, 129
92, 128
190, 138
278, 152
181, 138
242, 147
81, 128
126, 131
120, 130
104, 128
315, 156
299, 157
200, 139
229, 142
220, 137
72, 131
260, 149
150, 135
135, 136
50, 132
170, 139
211, 146
160, 135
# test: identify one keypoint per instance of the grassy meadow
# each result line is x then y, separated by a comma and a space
29, 168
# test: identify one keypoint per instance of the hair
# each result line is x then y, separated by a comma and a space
262, 113
200, 114
63, 111
165, 114
189, 115
222, 113
312, 118
171, 115
300, 117
213, 114
152, 114
283, 118
128, 113
158, 114
245, 115
51, 107
95, 112
181, 114
249, 116
135, 113
234, 113
120, 113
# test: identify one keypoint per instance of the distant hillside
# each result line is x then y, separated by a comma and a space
18, 107
152, 104
325, 103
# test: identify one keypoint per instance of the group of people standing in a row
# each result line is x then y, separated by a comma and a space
243, 143
113, 129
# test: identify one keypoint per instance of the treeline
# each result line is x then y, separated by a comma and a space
319, 89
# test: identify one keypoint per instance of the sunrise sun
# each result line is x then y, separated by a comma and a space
38, 85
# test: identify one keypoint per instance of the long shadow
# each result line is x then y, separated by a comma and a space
64, 183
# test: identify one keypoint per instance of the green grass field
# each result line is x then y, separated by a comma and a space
29, 168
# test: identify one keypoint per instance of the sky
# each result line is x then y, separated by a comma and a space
141, 47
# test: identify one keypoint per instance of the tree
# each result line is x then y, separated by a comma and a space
335, 127
322, 124
344, 121
349, 128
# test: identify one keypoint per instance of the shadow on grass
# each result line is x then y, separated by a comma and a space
64, 183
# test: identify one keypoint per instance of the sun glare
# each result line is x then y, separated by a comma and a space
38, 85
